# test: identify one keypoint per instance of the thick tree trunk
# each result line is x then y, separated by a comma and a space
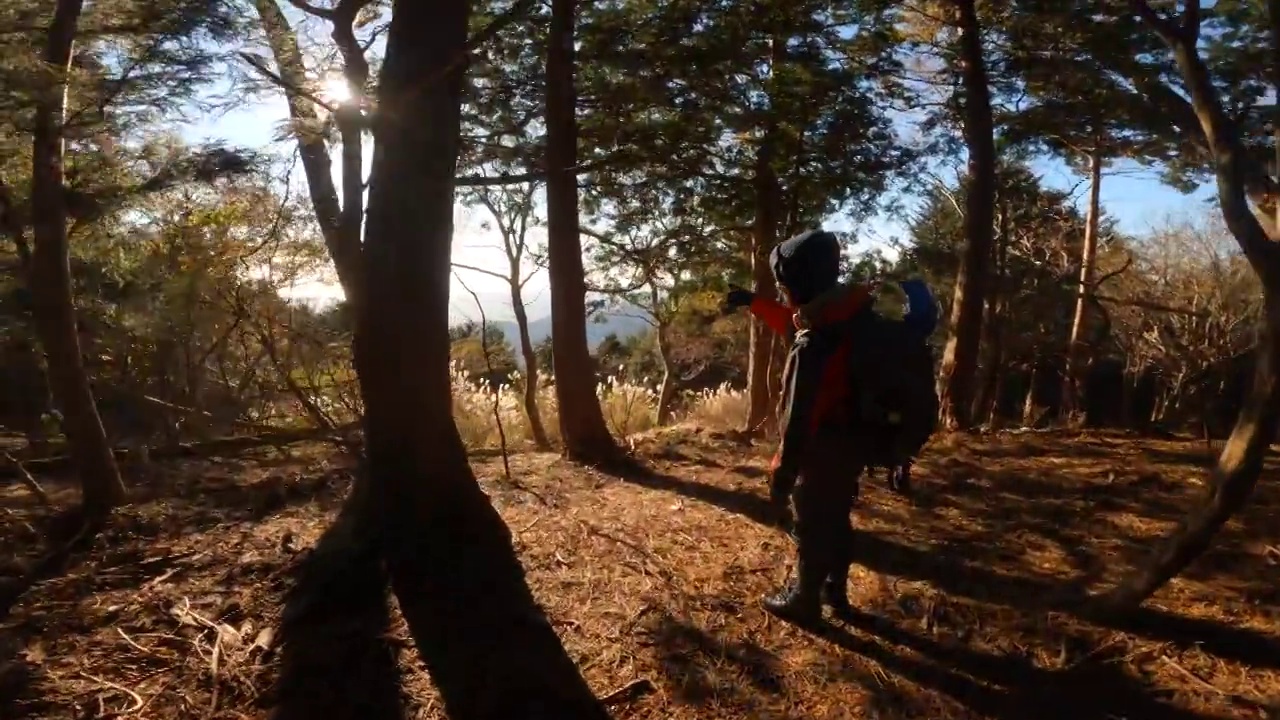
960, 358
487, 644
582, 427
1233, 478
1077, 364
536, 428
51, 282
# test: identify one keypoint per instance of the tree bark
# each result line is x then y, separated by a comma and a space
536, 428
485, 641
50, 279
988, 401
1234, 476
1077, 364
764, 235
339, 226
763, 238
667, 390
960, 358
583, 431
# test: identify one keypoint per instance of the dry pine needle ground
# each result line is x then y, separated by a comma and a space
652, 582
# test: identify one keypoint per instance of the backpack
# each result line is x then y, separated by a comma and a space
892, 393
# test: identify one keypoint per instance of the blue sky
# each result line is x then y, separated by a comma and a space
1134, 197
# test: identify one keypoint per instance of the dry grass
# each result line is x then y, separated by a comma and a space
629, 407
657, 575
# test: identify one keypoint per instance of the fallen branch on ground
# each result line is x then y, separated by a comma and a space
630, 692
29, 481
206, 448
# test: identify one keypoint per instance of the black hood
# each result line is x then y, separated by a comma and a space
807, 265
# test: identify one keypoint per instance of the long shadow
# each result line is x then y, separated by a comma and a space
702, 668
1008, 687
190, 507
748, 505
968, 580
19, 680
203, 500
954, 576
335, 659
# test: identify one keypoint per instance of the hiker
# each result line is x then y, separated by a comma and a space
921, 316
827, 440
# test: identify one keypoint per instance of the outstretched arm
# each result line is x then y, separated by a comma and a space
773, 313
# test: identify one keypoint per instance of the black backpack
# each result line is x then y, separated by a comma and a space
892, 392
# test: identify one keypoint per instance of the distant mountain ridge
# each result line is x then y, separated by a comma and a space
623, 321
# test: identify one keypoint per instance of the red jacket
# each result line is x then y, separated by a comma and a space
826, 404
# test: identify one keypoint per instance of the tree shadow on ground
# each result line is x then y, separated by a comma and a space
962, 573
969, 580
335, 658
19, 679
702, 669
120, 554
1007, 687
749, 505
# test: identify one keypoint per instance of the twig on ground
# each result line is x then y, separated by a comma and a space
138, 702
29, 481
1210, 687
630, 692
488, 363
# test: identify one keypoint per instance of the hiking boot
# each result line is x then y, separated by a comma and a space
800, 601
835, 592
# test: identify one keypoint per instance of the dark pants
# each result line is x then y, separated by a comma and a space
824, 497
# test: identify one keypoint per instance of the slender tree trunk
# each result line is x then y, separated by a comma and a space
340, 227
666, 391
582, 427
1235, 475
536, 428
764, 236
1077, 364
960, 358
485, 641
993, 325
1030, 404
51, 281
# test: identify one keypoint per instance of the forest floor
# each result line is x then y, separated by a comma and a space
653, 582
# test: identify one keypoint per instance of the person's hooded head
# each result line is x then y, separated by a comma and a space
806, 266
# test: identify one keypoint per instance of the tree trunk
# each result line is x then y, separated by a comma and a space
764, 235
536, 429
485, 641
667, 391
582, 427
960, 358
1234, 476
50, 278
1029, 404
339, 226
993, 325
1231, 482
1077, 365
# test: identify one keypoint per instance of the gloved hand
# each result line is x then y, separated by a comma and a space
781, 483
737, 297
